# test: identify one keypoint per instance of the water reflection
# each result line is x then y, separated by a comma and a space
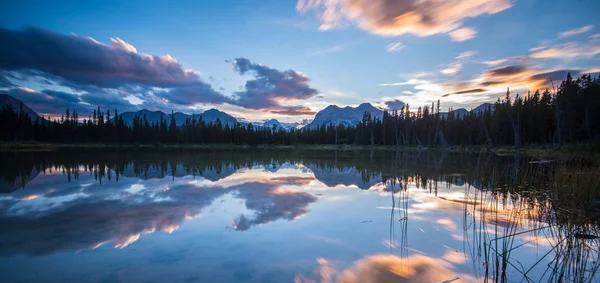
363, 216
391, 268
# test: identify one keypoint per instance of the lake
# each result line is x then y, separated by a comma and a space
294, 216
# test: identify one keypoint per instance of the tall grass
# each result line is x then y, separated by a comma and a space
550, 206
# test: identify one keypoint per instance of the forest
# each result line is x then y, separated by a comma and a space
570, 113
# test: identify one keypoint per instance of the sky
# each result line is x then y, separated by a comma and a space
287, 60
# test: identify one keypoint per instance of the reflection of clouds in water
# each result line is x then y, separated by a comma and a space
121, 212
271, 203
87, 225
448, 223
389, 268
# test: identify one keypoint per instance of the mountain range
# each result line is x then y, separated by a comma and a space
209, 116
332, 114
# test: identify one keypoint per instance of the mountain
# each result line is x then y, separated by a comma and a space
484, 107
6, 99
349, 116
152, 116
212, 115
209, 116
278, 125
462, 112
273, 124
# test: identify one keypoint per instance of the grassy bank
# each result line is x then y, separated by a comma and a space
577, 150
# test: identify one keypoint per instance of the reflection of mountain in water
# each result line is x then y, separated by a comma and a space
89, 198
8, 185
347, 176
177, 171
363, 170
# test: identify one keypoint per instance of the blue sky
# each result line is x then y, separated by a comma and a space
301, 55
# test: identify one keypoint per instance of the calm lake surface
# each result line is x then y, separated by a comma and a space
283, 216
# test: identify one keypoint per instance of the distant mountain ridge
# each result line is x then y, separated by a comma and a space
279, 126
348, 116
332, 114
6, 99
209, 116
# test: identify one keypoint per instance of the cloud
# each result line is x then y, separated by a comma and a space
495, 62
5, 81
332, 49
293, 110
569, 50
546, 79
409, 82
86, 65
270, 88
452, 69
394, 104
120, 44
506, 76
466, 54
463, 34
507, 71
193, 94
524, 77
576, 31
86, 61
392, 18
52, 102
466, 91
394, 46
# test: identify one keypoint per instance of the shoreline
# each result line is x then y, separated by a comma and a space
583, 150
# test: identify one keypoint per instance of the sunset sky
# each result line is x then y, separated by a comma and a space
288, 59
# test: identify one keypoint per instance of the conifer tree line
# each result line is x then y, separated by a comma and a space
571, 113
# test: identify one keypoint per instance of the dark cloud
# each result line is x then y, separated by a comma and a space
492, 83
521, 75
466, 91
56, 102
94, 70
82, 63
292, 110
4, 81
505, 76
271, 87
53, 102
556, 76
394, 104
188, 95
86, 61
507, 71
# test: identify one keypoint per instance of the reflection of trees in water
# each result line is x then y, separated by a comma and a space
379, 166
547, 206
509, 203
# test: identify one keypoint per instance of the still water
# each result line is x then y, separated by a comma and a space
281, 216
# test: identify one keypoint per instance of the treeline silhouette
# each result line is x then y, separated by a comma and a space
571, 113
